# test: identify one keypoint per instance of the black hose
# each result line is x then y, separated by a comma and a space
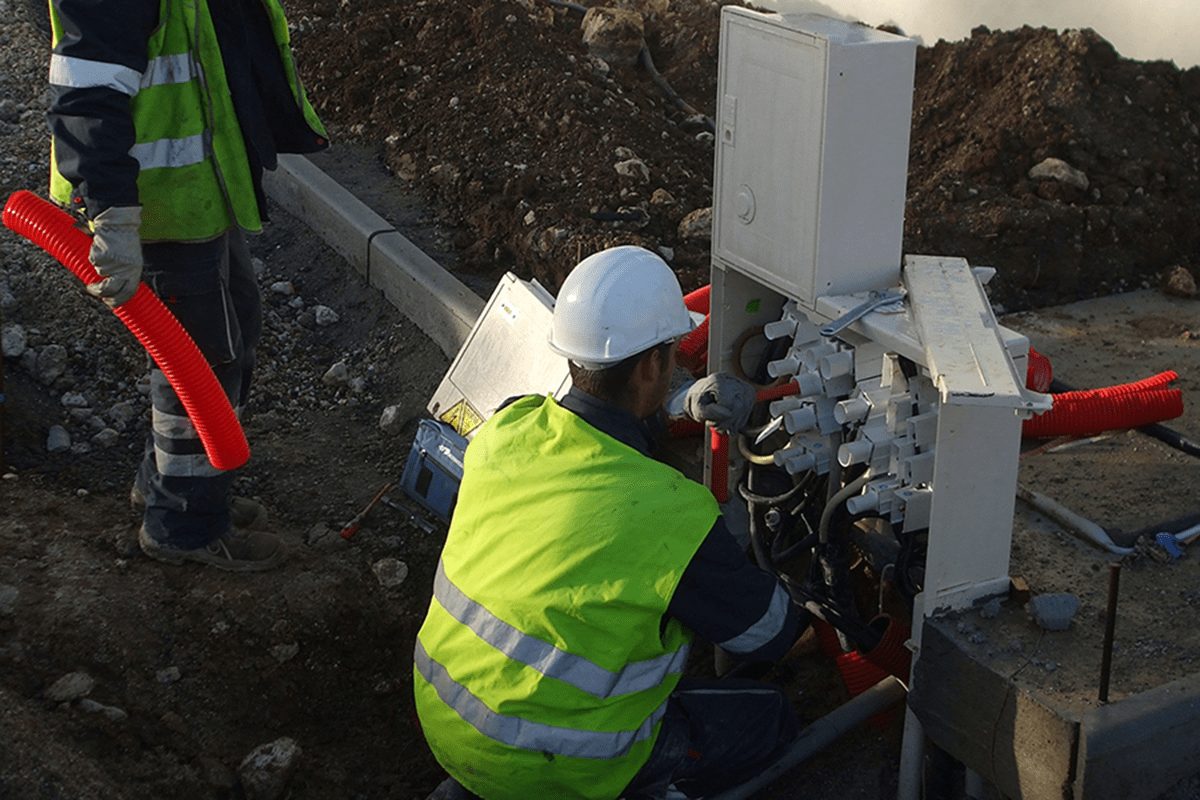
679, 102
1157, 430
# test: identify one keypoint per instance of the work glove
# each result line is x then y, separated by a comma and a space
116, 254
722, 400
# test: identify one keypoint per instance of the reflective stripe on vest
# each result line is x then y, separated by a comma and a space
81, 73
550, 660
524, 734
765, 629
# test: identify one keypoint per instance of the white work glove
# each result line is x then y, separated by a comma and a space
722, 400
116, 254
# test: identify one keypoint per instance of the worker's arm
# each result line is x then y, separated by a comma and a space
731, 602
95, 70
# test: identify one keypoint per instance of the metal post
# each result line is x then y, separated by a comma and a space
1114, 583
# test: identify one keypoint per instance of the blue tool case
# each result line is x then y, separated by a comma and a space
435, 467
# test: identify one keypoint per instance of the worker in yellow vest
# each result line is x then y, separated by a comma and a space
163, 116
578, 569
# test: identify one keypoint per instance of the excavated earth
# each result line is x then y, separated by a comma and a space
490, 136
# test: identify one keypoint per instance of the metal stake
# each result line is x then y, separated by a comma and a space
1114, 583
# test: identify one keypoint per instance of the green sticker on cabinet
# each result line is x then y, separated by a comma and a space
753, 306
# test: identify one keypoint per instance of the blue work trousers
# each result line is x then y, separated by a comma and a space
211, 289
715, 735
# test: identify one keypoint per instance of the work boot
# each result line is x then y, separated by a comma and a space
236, 551
244, 513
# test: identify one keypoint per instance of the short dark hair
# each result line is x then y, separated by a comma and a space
609, 384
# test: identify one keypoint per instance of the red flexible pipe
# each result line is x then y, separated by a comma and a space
1081, 416
53, 230
719, 483
693, 349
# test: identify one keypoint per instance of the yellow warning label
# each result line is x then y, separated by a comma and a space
462, 417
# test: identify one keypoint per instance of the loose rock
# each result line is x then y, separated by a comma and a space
325, 316
266, 771
58, 440
1061, 171
697, 224
71, 686
613, 34
390, 572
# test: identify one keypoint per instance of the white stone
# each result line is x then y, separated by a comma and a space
266, 771
390, 572
326, 316
1061, 171
13, 337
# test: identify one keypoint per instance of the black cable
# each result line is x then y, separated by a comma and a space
647, 62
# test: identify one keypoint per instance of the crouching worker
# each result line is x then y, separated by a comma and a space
577, 571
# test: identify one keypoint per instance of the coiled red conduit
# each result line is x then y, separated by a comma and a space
53, 230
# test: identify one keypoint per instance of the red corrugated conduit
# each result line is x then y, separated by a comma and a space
693, 350
53, 230
1082, 413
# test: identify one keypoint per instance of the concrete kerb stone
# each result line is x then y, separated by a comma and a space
441, 305
1139, 747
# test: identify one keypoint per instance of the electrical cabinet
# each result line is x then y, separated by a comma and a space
812, 152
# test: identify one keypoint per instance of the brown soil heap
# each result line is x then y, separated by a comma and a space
520, 135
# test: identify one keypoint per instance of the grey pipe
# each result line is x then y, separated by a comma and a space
824, 732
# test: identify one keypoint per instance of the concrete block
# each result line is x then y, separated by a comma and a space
972, 711
1141, 746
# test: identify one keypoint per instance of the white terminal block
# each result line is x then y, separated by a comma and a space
852, 409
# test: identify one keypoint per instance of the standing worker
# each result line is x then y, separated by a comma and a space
164, 115
577, 569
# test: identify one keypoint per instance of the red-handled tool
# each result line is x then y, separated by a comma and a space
353, 525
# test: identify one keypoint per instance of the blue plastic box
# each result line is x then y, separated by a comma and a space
435, 467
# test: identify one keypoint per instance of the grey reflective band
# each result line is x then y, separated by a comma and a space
82, 73
767, 628
549, 660
195, 465
179, 465
170, 152
172, 426
166, 70
522, 733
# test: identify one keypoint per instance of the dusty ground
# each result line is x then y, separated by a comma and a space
509, 132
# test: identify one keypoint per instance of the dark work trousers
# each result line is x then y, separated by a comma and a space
210, 288
716, 734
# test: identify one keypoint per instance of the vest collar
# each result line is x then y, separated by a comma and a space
613, 420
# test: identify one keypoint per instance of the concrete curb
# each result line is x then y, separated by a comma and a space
440, 304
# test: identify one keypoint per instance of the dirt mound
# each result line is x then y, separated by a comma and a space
520, 136
990, 109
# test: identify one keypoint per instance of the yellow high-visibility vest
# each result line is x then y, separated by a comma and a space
545, 662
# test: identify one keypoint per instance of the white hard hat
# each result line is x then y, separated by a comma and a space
615, 304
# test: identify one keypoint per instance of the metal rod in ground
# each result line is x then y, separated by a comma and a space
824, 732
1114, 583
